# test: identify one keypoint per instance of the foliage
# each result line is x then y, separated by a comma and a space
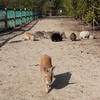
89, 16
87, 9
21, 4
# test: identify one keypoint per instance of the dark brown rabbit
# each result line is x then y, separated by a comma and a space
73, 36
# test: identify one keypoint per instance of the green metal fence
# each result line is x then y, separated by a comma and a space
10, 18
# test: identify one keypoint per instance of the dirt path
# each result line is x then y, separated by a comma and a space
77, 72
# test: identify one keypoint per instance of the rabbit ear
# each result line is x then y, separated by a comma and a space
45, 69
52, 69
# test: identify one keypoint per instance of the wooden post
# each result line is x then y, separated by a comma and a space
93, 27
82, 21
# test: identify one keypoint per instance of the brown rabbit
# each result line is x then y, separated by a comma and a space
73, 36
28, 36
46, 69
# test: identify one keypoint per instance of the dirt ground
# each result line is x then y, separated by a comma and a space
77, 72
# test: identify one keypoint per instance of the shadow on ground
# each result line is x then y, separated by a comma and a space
61, 81
19, 29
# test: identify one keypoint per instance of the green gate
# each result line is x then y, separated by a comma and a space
10, 18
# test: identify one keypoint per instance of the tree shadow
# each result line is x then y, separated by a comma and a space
16, 41
56, 17
61, 81
4, 42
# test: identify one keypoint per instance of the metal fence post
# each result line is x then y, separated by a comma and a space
21, 15
6, 19
25, 13
14, 17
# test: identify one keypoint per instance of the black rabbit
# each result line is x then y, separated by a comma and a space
56, 37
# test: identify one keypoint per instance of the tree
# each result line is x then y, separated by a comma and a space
87, 9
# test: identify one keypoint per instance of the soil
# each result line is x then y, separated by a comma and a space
77, 72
